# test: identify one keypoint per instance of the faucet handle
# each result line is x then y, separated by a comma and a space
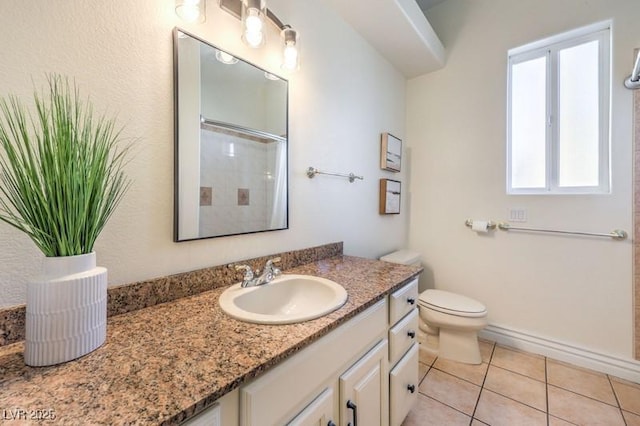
248, 272
274, 271
270, 262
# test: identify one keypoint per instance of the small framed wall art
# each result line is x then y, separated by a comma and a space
390, 196
390, 152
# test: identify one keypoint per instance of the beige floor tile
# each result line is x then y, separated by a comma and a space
626, 382
579, 380
628, 395
470, 372
422, 371
554, 421
497, 410
426, 357
428, 411
450, 390
516, 386
477, 422
486, 349
631, 419
519, 362
581, 410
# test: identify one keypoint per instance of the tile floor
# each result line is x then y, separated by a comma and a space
516, 388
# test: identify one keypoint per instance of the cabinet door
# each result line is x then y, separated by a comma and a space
318, 413
404, 386
364, 390
224, 412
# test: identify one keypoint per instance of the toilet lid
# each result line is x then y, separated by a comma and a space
451, 303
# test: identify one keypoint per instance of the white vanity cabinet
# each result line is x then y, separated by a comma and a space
223, 412
367, 367
319, 413
403, 351
349, 363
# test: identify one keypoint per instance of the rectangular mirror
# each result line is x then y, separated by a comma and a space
231, 143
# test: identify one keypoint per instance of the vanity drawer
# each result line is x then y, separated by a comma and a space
402, 336
402, 301
403, 386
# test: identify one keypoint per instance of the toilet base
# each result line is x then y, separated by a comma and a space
459, 345
429, 341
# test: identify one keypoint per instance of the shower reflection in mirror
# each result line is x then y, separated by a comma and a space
231, 144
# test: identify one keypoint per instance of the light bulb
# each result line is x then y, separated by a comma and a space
191, 10
270, 76
253, 21
290, 57
253, 38
225, 58
290, 52
253, 13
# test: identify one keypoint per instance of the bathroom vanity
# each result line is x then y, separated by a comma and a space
365, 371
187, 361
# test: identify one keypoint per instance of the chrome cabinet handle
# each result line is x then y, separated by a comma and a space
352, 406
411, 301
411, 388
331, 423
411, 334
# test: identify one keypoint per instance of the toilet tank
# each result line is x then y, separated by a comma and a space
406, 257
409, 257
403, 257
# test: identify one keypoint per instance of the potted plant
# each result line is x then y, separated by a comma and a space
61, 177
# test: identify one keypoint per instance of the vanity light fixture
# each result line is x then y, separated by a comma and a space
290, 54
226, 58
191, 10
254, 14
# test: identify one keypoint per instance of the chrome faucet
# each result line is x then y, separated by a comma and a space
268, 274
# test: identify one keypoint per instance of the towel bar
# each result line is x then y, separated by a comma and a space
616, 234
312, 171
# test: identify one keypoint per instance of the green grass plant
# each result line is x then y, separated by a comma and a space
61, 169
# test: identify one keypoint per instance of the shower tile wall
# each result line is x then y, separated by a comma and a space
231, 165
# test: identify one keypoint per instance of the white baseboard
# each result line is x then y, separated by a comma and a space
627, 369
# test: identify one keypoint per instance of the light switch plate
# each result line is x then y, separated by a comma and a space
517, 215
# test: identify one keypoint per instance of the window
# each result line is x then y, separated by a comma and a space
558, 114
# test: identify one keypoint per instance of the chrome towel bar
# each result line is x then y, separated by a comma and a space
616, 234
312, 171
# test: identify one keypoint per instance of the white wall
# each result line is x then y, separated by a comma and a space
573, 290
120, 52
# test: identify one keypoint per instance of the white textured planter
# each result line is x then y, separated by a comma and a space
66, 310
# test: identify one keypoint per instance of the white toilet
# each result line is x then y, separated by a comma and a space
449, 322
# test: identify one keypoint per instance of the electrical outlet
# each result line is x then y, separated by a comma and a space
517, 215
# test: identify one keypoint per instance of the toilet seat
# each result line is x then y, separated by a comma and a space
452, 304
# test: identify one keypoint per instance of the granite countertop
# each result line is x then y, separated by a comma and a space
163, 363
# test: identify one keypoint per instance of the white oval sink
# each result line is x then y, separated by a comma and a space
285, 300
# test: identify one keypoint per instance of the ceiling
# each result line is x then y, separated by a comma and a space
426, 4
398, 29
